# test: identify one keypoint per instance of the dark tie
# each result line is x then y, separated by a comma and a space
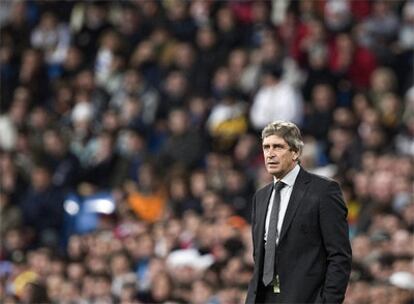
272, 233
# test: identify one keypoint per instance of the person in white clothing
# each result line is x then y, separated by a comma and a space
275, 100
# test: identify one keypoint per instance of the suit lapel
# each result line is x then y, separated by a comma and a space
299, 189
262, 205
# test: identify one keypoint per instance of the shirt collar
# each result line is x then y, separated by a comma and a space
289, 179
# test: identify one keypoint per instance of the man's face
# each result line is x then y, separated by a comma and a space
279, 158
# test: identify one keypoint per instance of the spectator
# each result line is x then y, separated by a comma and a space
207, 58
275, 99
109, 62
229, 33
131, 26
180, 197
174, 92
227, 120
15, 118
17, 27
73, 63
143, 59
184, 147
89, 21
121, 271
33, 75
351, 62
320, 113
133, 154
42, 207
134, 85
11, 217
179, 21
64, 164
51, 37
148, 200
381, 28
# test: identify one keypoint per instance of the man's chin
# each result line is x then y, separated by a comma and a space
273, 172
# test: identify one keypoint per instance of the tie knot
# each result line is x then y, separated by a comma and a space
279, 185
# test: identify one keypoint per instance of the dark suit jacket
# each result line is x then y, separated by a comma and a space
313, 256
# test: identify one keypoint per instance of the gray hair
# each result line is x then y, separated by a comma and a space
286, 130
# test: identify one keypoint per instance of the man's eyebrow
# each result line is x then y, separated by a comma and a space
276, 145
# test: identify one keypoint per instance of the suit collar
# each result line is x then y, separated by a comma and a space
290, 178
263, 201
299, 189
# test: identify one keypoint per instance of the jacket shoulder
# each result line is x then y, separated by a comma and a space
320, 180
264, 188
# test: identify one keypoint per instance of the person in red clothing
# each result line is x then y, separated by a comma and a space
351, 61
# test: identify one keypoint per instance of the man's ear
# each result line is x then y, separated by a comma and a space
295, 156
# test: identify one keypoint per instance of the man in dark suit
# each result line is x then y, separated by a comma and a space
301, 247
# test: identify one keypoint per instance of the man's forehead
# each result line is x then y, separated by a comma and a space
273, 139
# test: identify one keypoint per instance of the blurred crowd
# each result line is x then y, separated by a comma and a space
157, 106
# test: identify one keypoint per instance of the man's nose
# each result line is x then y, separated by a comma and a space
270, 154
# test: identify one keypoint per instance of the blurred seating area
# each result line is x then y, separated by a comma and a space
130, 142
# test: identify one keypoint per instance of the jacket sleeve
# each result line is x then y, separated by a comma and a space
253, 223
334, 227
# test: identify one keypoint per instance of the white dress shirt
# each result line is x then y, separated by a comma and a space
285, 193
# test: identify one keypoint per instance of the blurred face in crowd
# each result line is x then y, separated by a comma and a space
222, 79
95, 15
323, 97
69, 292
178, 122
54, 284
102, 286
74, 58
131, 81
184, 55
361, 247
201, 292
39, 118
206, 38
40, 178
147, 178
279, 157
260, 11
13, 240
268, 79
75, 271
53, 143
19, 107
143, 53
120, 264
271, 50
176, 84
382, 80
48, 22
381, 187
161, 287
128, 293
31, 63
177, 10
85, 80
129, 21
225, 19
